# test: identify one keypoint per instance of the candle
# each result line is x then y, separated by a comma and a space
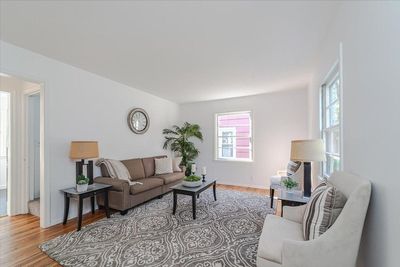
193, 168
204, 171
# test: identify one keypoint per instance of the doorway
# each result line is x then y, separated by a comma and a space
4, 149
33, 151
20, 144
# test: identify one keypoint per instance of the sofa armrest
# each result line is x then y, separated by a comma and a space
294, 214
117, 184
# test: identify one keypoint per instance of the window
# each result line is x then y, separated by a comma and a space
331, 123
234, 136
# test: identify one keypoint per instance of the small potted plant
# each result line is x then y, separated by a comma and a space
289, 184
82, 183
192, 181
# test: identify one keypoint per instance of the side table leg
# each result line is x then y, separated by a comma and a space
80, 207
271, 193
174, 205
194, 206
66, 208
106, 204
215, 191
92, 203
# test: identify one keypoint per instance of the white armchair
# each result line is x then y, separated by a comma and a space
282, 244
276, 180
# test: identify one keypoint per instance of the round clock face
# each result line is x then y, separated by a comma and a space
138, 121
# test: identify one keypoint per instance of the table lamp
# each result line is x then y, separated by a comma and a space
81, 150
307, 151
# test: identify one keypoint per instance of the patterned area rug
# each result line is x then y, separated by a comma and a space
225, 233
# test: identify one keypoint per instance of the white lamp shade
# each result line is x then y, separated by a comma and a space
307, 150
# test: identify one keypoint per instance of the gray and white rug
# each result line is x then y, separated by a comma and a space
225, 233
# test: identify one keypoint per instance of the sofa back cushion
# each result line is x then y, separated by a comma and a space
149, 165
135, 168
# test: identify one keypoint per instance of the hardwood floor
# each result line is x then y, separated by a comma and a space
20, 235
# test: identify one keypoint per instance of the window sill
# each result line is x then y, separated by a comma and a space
235, 160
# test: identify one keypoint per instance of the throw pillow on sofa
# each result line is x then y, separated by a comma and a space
163, 165
326, 203
175, 164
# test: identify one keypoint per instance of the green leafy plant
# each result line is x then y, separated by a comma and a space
82, 179
192, 178
289, 183
178, 139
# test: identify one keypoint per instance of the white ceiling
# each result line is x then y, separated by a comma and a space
182, 51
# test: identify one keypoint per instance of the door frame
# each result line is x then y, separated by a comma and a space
44, 147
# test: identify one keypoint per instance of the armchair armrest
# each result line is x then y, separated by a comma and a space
117, 184
294, 214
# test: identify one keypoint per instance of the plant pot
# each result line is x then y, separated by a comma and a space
81, 187
192, 184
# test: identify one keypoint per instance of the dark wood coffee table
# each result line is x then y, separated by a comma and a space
194, 192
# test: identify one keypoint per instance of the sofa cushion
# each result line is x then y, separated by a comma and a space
149, 165
135, 168
275, 230
147, 184
171, 177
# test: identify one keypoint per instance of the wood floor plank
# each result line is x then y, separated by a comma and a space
21, 235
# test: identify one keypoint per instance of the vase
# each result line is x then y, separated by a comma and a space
81, 187
192, 184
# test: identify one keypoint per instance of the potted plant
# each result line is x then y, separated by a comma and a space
192, 181
82, 183
179, 140
289, 184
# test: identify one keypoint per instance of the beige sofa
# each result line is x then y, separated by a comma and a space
122, 196
282, 244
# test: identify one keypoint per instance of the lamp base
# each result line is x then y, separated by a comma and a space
307, 179
89, 169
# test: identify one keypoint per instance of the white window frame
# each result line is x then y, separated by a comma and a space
333, 75
218, 133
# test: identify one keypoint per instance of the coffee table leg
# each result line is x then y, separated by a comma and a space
174, 206
271, 192
66, 208
194, 206
215, 191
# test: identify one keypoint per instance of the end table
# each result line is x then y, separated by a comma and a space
292, 199
92, 191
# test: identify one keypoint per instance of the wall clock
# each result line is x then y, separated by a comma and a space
138, 120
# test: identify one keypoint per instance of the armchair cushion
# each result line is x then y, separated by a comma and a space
295, 214
324, 207
275, 231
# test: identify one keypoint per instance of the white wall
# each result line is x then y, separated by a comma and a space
370, 33
277, 119
83, 106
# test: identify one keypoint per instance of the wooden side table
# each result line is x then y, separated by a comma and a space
292, 199
91, 192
